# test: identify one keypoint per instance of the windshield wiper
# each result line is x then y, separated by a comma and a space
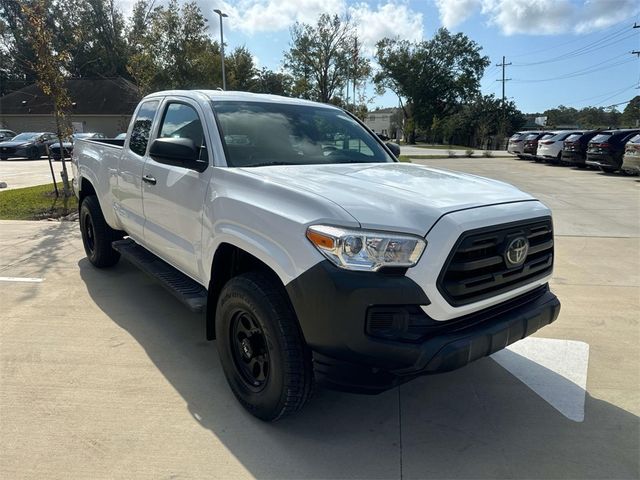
266, 164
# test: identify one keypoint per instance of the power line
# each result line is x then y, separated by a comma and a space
585, 50
578, 73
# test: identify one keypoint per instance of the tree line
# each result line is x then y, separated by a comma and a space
436, 81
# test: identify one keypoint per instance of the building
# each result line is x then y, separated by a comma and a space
385, 122
102, 105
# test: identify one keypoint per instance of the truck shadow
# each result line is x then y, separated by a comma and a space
478, 422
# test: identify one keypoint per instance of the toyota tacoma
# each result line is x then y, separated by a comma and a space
314, 255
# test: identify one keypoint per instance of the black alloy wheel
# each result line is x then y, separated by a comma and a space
250, 353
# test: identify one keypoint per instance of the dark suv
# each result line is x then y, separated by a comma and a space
574, 151
606, 149
531, 144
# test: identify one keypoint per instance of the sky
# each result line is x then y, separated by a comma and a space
562, 52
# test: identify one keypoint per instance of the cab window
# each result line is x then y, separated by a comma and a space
182, 121
142, 127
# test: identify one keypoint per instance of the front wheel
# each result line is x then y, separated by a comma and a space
262, 351
97, 235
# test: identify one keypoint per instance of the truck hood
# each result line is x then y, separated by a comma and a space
393, 196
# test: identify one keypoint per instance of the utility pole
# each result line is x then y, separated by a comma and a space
224, 80
503, 65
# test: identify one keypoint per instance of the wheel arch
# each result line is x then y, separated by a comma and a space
229, 261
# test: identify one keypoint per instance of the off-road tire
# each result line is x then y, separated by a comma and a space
289, 383
97, 235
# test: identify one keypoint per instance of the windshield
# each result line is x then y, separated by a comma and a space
602, 137
263, 133
573, 137
517, 136
25, 136
547, 136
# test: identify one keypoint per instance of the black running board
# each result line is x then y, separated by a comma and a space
188, 291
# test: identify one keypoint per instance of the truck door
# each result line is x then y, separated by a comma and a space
173, 195
128, 189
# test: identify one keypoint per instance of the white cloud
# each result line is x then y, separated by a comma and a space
539, 17
454, 12
392, 19
255, 16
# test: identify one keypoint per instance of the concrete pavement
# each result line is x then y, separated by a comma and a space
19, 173
104, 375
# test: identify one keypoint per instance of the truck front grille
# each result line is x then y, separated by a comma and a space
477, 267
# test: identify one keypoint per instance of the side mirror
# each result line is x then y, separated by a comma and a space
181, 152
395, 148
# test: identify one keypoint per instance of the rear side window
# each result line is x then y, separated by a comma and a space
142, 127
602, 137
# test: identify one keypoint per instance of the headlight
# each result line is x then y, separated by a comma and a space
366, 250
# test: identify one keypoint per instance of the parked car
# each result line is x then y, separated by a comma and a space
631, 158
550, 148
530, 148
31, 145
606, 149
6, 135
340, 266
574, 151
54, 148
516, 142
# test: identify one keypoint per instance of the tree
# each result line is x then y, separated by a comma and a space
171, 49
432, 78
49, 67
322, 56
631, 114
240, 70
268, 81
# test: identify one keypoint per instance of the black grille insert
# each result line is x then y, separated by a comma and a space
476, 269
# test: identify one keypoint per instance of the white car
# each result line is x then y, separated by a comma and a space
550, 147
516, 142
315, 255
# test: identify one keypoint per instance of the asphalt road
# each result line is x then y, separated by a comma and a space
104, 375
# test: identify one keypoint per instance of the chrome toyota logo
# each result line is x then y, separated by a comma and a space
516, 252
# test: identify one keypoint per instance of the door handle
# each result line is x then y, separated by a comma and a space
149, 179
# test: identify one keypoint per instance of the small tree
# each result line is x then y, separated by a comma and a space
50, 74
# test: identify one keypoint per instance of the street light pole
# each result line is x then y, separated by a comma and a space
224, 80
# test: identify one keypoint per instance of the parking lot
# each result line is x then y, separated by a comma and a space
19, 173
104, 375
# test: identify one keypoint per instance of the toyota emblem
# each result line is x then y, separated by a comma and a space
516, 252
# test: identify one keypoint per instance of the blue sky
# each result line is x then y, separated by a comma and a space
589, 41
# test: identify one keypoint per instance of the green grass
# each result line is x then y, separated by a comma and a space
441, 147
35, 203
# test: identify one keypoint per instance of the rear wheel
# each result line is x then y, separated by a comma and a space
608, 169
262, 351
97, 235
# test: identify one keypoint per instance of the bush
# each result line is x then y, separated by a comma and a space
469, 153
487, 153
451, 153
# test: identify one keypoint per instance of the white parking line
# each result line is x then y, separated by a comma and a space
554, 369
21, 279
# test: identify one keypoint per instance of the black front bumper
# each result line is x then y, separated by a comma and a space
334, 305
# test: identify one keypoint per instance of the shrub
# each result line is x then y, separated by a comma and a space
487, 153
469, 152
451, 153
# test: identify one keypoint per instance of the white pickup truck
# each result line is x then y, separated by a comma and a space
314, 254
